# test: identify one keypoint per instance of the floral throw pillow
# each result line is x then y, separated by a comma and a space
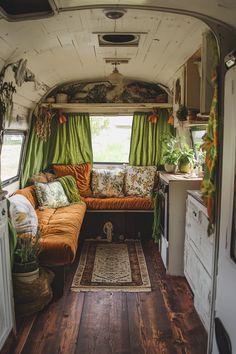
108, 183
139, 180
51, 195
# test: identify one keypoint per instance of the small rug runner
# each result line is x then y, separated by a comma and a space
112, 267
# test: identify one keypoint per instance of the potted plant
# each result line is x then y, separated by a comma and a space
25, 265
171, 154
186, 159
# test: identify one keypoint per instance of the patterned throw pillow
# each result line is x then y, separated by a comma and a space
51, 195
23, 215
139, 180
108, 182
80, 172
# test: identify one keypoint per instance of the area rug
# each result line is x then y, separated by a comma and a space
105, 266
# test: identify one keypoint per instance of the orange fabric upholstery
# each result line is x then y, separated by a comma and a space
125, 203
59, 229
80, 172
29, 193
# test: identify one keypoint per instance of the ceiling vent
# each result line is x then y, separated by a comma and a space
118, 39
16, 10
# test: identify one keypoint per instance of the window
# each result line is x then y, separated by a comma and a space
197, 135
11, 155
111, 138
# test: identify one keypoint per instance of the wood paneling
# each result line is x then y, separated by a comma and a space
162, 321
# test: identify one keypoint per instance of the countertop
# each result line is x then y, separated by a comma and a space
167, 177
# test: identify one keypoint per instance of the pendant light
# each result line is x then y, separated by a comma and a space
115, 77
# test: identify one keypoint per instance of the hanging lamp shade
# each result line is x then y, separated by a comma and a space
115, 77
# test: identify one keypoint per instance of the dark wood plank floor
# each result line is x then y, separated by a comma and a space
162, 321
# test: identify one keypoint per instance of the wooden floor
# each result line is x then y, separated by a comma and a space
162, 321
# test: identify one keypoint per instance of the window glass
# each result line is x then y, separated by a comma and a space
197, 135
11, 155
111, 138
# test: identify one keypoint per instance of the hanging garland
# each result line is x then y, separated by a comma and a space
7, 89
43, 122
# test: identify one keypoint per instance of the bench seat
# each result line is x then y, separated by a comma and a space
121, 203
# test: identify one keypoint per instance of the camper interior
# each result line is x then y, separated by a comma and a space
117, 196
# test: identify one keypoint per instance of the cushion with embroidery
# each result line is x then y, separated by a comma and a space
51, 195
108, 182
139, 180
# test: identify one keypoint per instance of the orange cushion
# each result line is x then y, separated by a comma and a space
29, 193
125, 203
80, 172
60, 229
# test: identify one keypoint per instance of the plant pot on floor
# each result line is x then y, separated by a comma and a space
26, 272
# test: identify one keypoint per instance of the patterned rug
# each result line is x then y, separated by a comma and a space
112, 267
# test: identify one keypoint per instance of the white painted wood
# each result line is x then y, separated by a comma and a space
6, 307
225, 306
198, 258
224, 10
178, 186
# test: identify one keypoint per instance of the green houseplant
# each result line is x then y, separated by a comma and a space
186, 159
25, 265
171, 154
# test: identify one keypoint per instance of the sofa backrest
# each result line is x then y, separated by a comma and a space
29, 193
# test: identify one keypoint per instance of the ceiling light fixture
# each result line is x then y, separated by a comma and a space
115, 77
114, 14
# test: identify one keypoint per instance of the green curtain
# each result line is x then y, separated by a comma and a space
69, 143
146, 138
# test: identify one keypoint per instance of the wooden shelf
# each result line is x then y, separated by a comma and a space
105, 107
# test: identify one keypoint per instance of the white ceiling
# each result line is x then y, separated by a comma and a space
64, 47
222, 10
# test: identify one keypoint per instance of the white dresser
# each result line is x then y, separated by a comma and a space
198, 256
6, 303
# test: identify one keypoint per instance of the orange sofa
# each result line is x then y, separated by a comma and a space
60, 229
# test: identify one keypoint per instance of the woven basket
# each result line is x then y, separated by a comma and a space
33, 297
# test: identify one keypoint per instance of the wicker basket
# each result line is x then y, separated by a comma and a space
33, 297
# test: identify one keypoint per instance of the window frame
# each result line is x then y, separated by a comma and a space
112, 115
17, 176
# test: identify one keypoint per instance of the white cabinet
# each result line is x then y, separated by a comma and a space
6, 307
172, 240
198, 257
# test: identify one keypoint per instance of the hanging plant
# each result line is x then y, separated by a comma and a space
43, 122
182, 113
7, 89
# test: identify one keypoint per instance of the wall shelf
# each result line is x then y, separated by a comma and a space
105, 107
